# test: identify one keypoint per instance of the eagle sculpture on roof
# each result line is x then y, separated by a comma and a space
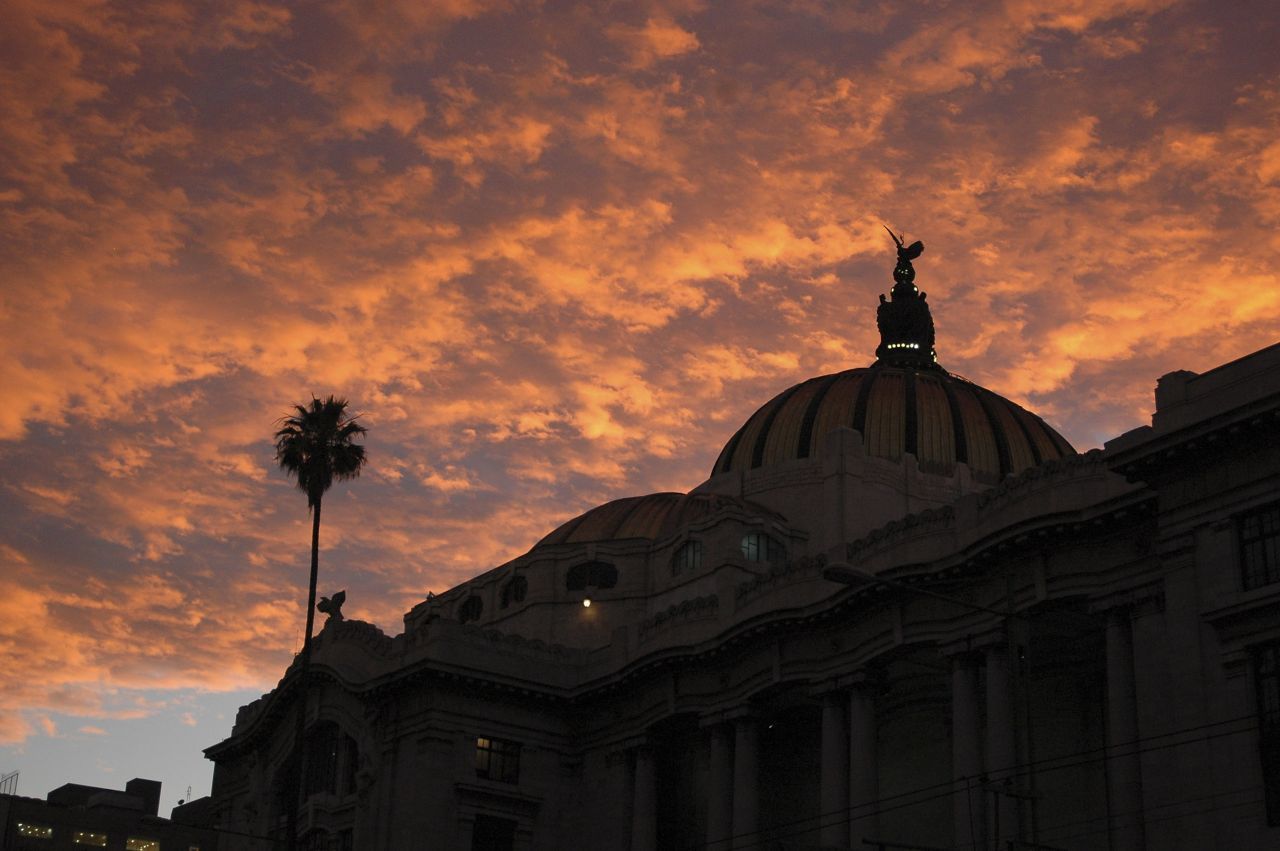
332, 606
908, 253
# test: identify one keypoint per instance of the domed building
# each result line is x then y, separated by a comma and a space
901, 612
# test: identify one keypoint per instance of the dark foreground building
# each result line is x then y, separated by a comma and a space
79, 817
901, 608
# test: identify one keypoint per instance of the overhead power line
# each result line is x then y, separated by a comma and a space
945, 789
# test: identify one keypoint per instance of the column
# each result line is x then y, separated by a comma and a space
1124, 770
621, 797
1002, 748
864, 777
644, 812
834, 799
966, 756
720, 788
746, 791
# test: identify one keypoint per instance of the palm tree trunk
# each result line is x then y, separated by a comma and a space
311, 588
304, 672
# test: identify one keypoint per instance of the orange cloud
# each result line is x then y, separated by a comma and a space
654, 41
553, 255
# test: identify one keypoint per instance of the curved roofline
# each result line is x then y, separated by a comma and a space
940, 417
651, 517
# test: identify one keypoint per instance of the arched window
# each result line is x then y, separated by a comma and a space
514, 591
591, 574
758, 546
321, 764
688, 558
350, 765
470, 609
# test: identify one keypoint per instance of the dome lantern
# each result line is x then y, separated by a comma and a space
905, 322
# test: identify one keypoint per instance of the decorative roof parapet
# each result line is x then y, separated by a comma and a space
1011, 484
912, 524
975, 517
448, 628
365, 634
697, 608
780, 574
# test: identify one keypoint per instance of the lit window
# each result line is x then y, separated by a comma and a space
84, 837
135, 844
1260, 546
757, 546
688, 557
592, 574
1266, 669
36, 831
514, 591
498, 760
470, 609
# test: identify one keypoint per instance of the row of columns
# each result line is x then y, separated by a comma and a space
984, 761
1124, 770
983, 757
850, 775
848, 783
733, 808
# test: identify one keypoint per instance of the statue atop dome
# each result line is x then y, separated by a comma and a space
905, 323
904, 272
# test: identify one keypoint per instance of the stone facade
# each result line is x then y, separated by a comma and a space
1081, 656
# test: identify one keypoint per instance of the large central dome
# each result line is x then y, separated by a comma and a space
904, 403
938, 417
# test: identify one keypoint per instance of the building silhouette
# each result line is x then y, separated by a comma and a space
901, 610
76, 816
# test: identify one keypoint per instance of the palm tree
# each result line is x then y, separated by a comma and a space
316, 445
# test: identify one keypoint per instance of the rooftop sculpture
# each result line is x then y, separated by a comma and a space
332, 606
905, 323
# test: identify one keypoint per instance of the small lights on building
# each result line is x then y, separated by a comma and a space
586, 603
135, 844
85, 837
38, 831
903, 346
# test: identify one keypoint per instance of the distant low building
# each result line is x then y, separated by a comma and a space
901, 610
75, 816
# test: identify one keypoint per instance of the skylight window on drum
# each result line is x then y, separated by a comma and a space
758, 546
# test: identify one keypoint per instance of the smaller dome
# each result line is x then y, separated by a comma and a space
652, 517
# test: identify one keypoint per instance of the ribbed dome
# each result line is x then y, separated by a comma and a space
940, 418
651, 517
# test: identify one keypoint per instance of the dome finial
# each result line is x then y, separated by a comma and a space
906, 325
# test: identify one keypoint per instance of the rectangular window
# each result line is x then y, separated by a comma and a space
1260, 546
86, 837
493, 834
135, 844
35, 831
498, 760
1266, 668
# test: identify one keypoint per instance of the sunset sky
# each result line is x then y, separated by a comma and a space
553, 253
